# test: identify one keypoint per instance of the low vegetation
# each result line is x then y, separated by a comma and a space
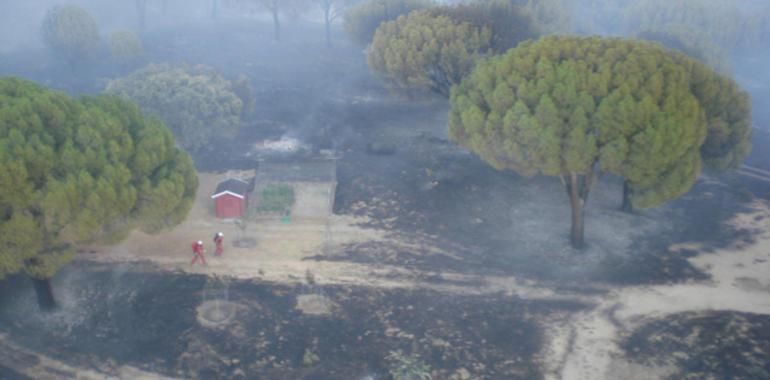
276, 199
194, 101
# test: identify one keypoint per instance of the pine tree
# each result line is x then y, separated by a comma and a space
421, 53
125, 48
578, 107
71, 32
363, 19
509, 23
728, 115
74, 171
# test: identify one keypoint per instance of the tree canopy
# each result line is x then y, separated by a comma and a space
728, 115
728, 24
577, 107
692, 43
70, 32
722, 22
422, 53
72, 171
194, 101
509, 23
363, 19
125, 47
550, 16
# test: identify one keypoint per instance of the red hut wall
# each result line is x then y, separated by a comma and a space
229, 206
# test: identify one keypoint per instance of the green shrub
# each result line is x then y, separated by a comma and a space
196, 102
277, 198
403, 367
363, 19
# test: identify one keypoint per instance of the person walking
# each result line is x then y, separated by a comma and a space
198, 252
219, 239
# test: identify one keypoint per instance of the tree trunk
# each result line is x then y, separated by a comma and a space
214, 8
45, 298
141, 11
627, 205
328, 25
577, 187
576, 235
277, 24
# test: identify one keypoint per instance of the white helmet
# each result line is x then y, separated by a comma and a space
200, 242
220, 234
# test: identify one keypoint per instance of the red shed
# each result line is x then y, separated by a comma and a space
230, 198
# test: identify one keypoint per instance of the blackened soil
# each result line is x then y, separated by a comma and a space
123, 315
10, 374
148, 320
433, 192
712, 345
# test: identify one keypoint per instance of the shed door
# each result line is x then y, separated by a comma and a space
232, 208
229, 207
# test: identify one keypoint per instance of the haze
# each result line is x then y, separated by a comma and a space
384, 189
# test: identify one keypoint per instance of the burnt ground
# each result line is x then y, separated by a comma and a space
128, 315
500, 223
716, 345
426, 191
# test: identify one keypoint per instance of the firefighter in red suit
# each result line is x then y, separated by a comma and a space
219, 238
198, 252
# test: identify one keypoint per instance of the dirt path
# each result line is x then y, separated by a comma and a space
740, 282
283, 256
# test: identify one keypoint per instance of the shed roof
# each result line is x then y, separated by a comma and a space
233, 186
297, 171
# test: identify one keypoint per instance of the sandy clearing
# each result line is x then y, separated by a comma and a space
595, 354
282, 253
